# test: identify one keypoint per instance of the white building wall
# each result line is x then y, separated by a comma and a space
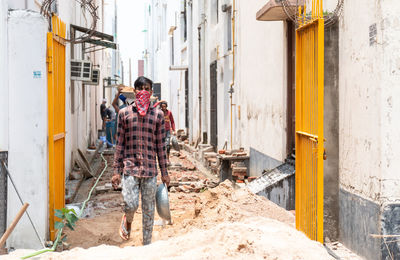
360, 132
172, 82
25, 97
389, 36
83, 118
262, 84
28, 161
369, 154
3, 77
194, 71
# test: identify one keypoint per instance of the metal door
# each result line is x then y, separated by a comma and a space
56, 117
213, 105
157, 90
309, 122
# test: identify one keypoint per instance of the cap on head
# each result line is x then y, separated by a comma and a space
104, 100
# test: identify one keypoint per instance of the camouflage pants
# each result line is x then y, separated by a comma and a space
131, 186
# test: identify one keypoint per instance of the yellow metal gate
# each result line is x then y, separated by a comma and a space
309, 122
56, 117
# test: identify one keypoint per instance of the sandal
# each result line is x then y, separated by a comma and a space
123, 233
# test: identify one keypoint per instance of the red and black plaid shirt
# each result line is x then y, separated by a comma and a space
139, 140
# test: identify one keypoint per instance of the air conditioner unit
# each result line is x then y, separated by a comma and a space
81, 70
95, 78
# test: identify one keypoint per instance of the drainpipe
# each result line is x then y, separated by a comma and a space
231, 90
199, 29
190, 42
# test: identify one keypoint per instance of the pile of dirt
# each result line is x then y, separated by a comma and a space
219, 223
253, 238
225, 204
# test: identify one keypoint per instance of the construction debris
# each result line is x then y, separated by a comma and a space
84, 164
219, 223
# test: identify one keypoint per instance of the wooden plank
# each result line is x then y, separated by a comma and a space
13, 224
58, 136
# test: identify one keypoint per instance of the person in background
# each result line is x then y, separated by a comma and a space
118, 97
118, 107
169, 126
103, 115
140, 143
110, 126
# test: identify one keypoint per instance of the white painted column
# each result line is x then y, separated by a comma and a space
28, 149
3, 77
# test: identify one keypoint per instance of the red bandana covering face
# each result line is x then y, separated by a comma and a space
142, 102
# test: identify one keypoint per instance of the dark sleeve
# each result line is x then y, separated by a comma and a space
102, 110
120, 146
171, 118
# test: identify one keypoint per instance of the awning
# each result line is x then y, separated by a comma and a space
273, 10
98, 38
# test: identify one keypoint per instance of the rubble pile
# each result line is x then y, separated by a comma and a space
223, 223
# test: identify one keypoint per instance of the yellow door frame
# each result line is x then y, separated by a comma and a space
310, 122
56, 118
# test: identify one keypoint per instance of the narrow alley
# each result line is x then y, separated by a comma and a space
214, 221
200, 129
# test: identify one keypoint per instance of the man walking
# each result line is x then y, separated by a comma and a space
140, 139
169, 126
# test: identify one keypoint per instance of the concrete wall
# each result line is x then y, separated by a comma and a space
83, 113
369, 102
23, 105
28, 125
331, 133
277, 185
3, 77
215, 35
259, 162
159, 46
262, 82
3, 192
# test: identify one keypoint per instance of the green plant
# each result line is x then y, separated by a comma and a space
68, 218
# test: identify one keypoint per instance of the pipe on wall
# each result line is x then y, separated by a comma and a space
233, 65
200, 81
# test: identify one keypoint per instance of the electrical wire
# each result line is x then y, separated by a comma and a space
22, 202
86, 5
329, 20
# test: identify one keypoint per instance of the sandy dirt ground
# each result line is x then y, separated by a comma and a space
217, 223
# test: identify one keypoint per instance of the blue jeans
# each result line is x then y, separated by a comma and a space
110, 132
